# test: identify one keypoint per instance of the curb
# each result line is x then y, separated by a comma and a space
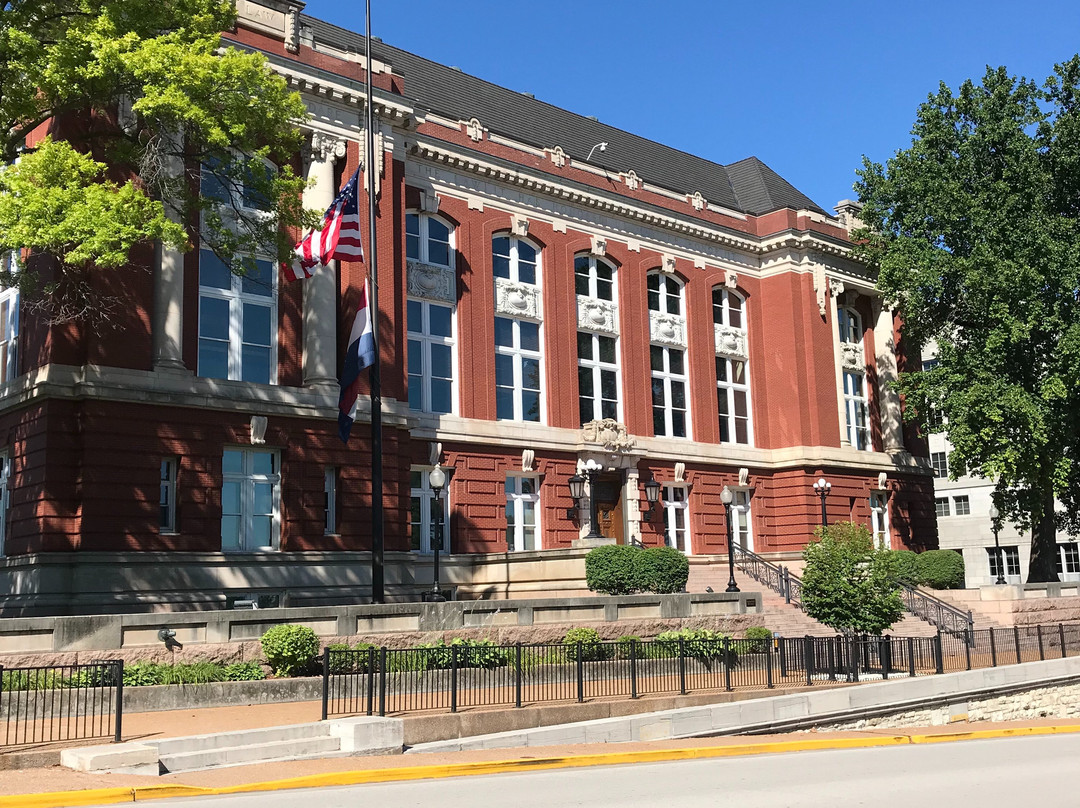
112, 796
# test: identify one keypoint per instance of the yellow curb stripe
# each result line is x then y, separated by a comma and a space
55, 799
1004, 732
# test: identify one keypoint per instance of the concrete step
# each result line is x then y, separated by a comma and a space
248, 737
215, 757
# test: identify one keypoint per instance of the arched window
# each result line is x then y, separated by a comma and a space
732, 367
594, 277
518, 357
597, 340
850, 324
430, 314
854, 379
667, 359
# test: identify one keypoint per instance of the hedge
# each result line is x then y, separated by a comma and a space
621, 569
941, 569
905, 565
290, 650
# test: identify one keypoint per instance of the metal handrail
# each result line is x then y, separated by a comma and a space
777, 578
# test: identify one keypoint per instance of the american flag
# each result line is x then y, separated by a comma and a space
339, 236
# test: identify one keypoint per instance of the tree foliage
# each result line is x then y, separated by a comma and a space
145, 88
976, 231
848, 584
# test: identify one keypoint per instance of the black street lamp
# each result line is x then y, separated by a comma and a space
652, 496
726, 496
577, 492
996, 527
823, 487
437, 481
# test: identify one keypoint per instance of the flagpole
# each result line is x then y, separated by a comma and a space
377, 522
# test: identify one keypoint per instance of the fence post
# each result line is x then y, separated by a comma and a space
382, 681
782, 648
885, 654
969, 640
325, 681
993, 649
831, 654
853, 670
939, 661
1038, 633
371, 680
118, 672
633, 669
787, 585
517, 675
580, 674
911, 656
808, 658
1016, 642
682, 666
453, 678
727, 663
1061, 634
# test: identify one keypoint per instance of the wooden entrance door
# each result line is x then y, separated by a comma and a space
609, 507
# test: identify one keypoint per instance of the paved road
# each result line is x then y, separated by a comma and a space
1007, 772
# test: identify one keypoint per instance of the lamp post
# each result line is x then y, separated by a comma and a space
996, 527
577, 491
823, 487
437, 481
726, 496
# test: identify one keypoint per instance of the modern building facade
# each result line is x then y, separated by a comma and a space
556, 295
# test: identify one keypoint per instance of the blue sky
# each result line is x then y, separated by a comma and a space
807, 87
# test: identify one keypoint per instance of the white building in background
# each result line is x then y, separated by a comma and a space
963, 506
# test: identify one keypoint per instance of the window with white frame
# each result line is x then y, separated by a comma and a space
732, 376
517, 370
855, 405
594, 277
940, 463
669, 382
9, 334
522, 509
850, 325
330, 477
1010, 558
514, 259
598, 376
5, 497
962, 506
677, 517
664, 294
1068, 561
742, 532
428, 239
941, 506
431, 356
167, 514
879, 519
422, 512
250, 500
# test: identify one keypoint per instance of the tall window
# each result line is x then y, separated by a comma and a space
250, 500
522, 505
427, 239
598, 377
858, 422
422, 512
668, 391
431, 356
330, 475
879, 519
594, 278
237, 321
167, 516
5, 497
940, 462
732, 376
9, 334
850, 324
741, 523
1010, 559
677, 517
517, 340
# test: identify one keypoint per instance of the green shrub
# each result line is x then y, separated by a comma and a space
243, 672
588, 640
700, 643
663, 570
344, 663
623, 646
290, 650
757, 640
612, 569
477, 653
941, 569
905, 566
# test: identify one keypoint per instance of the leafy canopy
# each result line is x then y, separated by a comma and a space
976, 233
848, 584
145, 88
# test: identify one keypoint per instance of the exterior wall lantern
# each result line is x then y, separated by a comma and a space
652, 496
577, 492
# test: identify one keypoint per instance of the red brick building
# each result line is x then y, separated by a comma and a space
555, 294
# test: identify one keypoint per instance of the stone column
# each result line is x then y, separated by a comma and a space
892, 432
167, 329
320, 290
836, 288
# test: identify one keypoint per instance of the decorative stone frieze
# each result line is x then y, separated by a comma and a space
609, 433
517, 299
852, 356
667, 329
598, 315
730, 341
598, 246
430, 281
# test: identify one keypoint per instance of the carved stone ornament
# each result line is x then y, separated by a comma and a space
558, 156
609, 433
429, 202
326, 147
731, 279
519, 225
667, 329
729, 341
517, 299
434, 454
820, 285
680, 472
598, 246
528, 457
292, 29
597, 315
632, 180
698, 201
852, 357
744, 477
258, 430
836, 288
881, 478
430, 282
475, 130
667, 264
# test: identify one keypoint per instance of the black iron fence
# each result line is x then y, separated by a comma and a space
61, 703
383, 681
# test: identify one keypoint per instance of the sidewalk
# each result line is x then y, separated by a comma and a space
55, 778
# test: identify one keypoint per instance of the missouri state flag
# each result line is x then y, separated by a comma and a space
338, 237
359, 355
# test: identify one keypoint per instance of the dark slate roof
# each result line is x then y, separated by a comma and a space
748, 186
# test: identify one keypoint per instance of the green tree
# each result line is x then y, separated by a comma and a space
140, 96
975, 231
848, 584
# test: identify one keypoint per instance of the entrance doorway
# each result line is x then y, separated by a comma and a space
609, 506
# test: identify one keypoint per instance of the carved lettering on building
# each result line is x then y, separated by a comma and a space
261, 17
